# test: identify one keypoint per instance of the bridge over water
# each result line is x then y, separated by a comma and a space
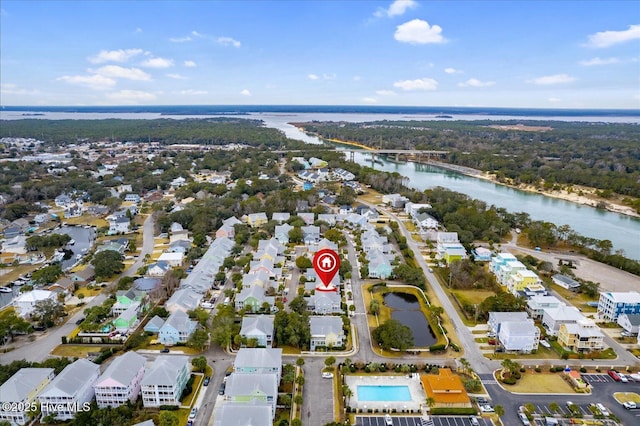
418, 154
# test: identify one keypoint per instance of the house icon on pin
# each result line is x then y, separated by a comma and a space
327, 262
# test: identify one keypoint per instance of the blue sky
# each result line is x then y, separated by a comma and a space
544, 54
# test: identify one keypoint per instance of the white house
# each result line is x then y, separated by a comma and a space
553, 318
497, 318
237, 414
260, 388
165, 380
326, 332
173, 259
258, 361
70, 391
260, 328
519, 336
121, 381
183, 299
612, 304
118, 224
630, 322
21, 391
537, 304
26, 302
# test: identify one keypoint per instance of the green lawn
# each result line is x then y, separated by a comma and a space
540, 383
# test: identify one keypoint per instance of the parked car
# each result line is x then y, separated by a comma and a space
474, 421
222, 388
630, 405
602, 409
164, 351
614, 375
80, 321
327, 375
388, 420
206, 381
486, 408
192, 414
492, 342
524, 419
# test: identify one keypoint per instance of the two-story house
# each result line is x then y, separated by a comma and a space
121, 381
260, 328
176, 329
165, 380
21, 391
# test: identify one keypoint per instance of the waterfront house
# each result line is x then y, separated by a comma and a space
84, 276
326, 332
165, 380
176, 329
73, 387
119, 225
260, 328
258, 361
121, 381
21, 390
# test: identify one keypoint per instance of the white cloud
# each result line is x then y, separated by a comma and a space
419, 84
157, 63
385, 92
552, 79
197, 34
189, 64
474, 82
598, 61
228, 41
177, 76
312, 77
116, 71
453, 71
418, 31
12, 89
245, 92
369, 100
609, 38
180, 39
397, 8
554, 100
114, 55
96, 81
131, 96
192, 92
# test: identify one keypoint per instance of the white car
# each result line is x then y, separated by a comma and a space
327, 375
192, 414
388, 420
602, 409
474, 421
486, 408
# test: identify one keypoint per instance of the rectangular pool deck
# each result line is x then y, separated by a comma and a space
415, 400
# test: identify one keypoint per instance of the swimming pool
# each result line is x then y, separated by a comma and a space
383, 393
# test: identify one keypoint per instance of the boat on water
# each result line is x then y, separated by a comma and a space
4, 289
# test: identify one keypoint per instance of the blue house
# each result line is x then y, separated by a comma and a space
154, 325
176, 329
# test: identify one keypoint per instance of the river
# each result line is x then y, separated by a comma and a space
623, 231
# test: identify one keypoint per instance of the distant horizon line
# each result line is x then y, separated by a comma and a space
317, 108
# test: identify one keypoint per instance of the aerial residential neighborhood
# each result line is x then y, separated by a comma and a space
235, 326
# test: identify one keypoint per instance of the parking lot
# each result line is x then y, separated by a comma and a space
597, 378
417, 421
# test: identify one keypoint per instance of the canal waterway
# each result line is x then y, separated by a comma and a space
623, 231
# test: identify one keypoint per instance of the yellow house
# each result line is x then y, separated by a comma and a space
521, 280
257, 219
21, 391
583, 336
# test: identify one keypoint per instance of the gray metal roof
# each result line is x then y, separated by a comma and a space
236, 414
22, 383
258, 357
322, 325
72, 378
165, 370
240, 385
122, 370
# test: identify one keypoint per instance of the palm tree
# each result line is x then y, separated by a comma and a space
465, 364
431, 402
347, 393
554, 407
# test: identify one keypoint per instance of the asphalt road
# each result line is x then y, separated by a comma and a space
39, 349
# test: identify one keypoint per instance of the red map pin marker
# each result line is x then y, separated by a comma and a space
326, 262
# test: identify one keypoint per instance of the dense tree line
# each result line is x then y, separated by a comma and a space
598, 155
57, 363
